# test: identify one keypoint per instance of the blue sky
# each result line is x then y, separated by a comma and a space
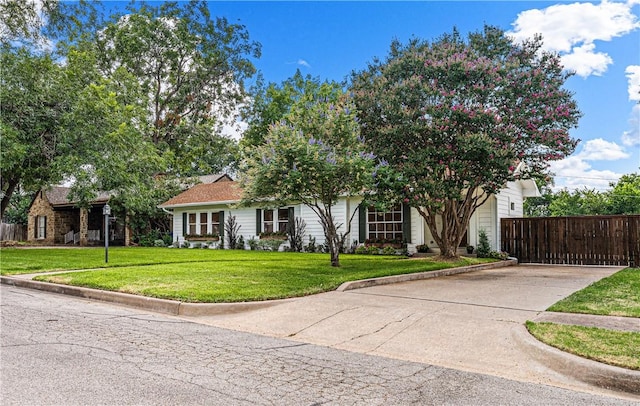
599, 40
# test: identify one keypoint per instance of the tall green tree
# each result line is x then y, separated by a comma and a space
271, 103
625, 195
581, 202
314, 156
455, 118
35, 97
191, 68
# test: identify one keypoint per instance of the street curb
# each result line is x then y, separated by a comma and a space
585, 370
386, 280
142, 302
166, 306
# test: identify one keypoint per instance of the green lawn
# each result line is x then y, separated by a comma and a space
33, 260
611, 347
196, 275
616, 295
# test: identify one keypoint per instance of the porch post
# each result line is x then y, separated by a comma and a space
84, 227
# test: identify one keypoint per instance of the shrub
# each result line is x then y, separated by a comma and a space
231, 228
423, 248
312, 245
362, 250
269, 245
484, 249
499, 255
159, 243
296, 231
388, 251
253, 244
373, 250
240, 244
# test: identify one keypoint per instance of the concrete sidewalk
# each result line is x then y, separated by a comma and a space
472, 322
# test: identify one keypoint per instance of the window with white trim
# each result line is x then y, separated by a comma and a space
215, 222
384, 225
192, 223
275, 220
203, 223
41, 224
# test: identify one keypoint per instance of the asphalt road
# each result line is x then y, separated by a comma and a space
58, 350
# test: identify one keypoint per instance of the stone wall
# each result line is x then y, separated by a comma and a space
66, 220
41, 207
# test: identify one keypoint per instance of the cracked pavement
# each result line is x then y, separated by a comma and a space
58, 350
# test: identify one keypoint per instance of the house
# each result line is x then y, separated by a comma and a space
55, 219
202, 210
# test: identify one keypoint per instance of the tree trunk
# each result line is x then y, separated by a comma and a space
331, 235
12, 183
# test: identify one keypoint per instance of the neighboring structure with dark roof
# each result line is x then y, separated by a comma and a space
55, 219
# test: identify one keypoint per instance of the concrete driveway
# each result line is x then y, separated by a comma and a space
469, 321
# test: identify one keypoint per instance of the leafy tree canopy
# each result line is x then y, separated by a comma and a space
455, 119
272, 103
191, 68
623, 198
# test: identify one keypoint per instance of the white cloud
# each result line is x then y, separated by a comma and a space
304, 63
633, 74
601, 150
631, 138
571, 30
585, 62
575, 173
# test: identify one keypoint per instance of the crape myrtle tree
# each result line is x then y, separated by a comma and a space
455, 118
314, 156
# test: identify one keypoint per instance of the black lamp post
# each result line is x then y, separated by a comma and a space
106, 210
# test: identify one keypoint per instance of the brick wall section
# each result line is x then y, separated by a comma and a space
41, 207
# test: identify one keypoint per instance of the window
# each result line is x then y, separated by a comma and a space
215, 223
192, 223
275, 220
203, 223
385, 225
41, 227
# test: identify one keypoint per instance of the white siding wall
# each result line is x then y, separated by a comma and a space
486, 219
509, 204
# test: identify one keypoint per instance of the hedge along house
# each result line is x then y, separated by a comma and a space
55, 219
203, 209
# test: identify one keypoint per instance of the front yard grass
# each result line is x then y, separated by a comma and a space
617, 348
616, 295
198, 275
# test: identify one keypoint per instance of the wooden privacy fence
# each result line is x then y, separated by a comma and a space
13, 232
589, 240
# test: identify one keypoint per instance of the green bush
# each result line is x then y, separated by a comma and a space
253, 244
373, 250
423, 248
484, 249
361, 250
499, 255
159, 243
388, 251
269, 245
312, 245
